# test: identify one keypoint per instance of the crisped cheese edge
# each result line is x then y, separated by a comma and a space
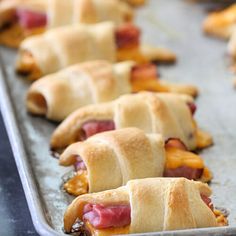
176, 158
106, 232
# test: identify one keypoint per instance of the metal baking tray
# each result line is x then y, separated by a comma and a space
201, 61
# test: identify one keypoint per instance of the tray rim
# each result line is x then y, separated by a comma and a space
17, 146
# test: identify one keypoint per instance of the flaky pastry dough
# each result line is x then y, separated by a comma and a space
167, 114
157, 204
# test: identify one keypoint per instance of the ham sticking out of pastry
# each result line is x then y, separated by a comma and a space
22, 18
164, 113
221, 24
100, 81
109, 159
175, 203
61, 47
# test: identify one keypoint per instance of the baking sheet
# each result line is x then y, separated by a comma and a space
201, 61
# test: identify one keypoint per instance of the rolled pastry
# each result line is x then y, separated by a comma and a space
69, 12
22, 18
221, 24
167, 114
93, 82
109, 159
144, 205
61, 47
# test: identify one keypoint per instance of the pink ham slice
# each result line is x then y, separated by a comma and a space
93, 127
184, 171
102, 217
144, 72
208, 202
29, 19
176, 143
127, 35
192, 106
79, 164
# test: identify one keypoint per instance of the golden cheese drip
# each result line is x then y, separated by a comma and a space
77, 185
106, 232
13, 35
220, 218
203, 139
176, 158
27, 65
132, 53
150, 85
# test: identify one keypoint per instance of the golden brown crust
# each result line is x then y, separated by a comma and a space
176, 202
58, 48
76, 86
157, 54
112, 158
163, 113
87, 11
221, 24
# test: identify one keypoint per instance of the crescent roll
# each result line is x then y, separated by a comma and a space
143, 205
70, 12
61, 47
22, 18
109, 159
221, 24
91, 83
167, 114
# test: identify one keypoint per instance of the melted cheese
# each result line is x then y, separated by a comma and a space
106, 232
132, 53
148, 85
27, 65
13, 35
206, 175
203, 139
77, 185
220, 218
176, 158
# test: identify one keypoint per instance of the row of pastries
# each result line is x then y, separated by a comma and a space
130, 138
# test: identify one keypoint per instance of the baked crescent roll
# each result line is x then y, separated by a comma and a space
22, 18
61, 47
109, 159
143, 205
91, 83
167, 114
221, 24
87, 11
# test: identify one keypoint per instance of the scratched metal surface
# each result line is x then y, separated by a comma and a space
201, 61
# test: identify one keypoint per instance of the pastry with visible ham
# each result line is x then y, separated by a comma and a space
221, 24
109, 159
94, 82
164, 113
144, 205
58, 48
22, 18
